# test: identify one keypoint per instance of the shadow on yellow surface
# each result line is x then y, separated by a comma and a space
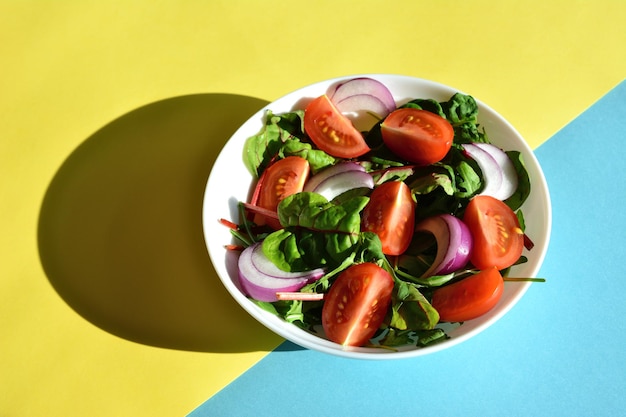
120, 228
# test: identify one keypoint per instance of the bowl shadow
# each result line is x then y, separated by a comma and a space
120, 228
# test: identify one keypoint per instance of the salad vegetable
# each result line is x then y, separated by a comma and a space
454, 243
338, 179
469, 298
365, 89
498, 237
261, 279
379, 235
357, 304
421, 137
498, 170
331, 131
282, 178
390, 213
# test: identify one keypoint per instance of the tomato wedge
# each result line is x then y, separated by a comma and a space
281, 179
331, 131
356, 304
469, 298
418, 136
390, 214
498, 238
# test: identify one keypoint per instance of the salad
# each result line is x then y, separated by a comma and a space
377, 222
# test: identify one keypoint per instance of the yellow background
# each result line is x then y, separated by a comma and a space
70, 68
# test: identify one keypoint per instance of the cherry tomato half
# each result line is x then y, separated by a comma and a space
498, 238
418, 136
390, 214
281, 179
356, 304
469, 298
331, 131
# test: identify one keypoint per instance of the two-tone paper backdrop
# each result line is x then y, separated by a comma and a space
111, 114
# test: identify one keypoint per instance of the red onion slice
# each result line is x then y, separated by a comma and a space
261, 279
340, 183
509, 174
454, 243
338, 179
363, 110
362, 103
363, 85
326, 173
492, 173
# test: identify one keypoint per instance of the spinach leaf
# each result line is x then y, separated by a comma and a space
368, 248
313, 211
431, 337
469, 182
523, 181
316, 232
520, 218
393, 337
318, 160
427, 104
282, 135
262, 147
446, 186
288, 250
462, 112
392, 174
430, 181
410, 310
460, 109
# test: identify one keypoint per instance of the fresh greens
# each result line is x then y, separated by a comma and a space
320, 233
410, 309
316, 232
282, 135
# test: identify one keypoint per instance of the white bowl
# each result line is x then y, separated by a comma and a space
230, 181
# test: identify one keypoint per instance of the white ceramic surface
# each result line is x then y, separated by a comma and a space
230, 181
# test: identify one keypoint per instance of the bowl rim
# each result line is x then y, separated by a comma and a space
223, 263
